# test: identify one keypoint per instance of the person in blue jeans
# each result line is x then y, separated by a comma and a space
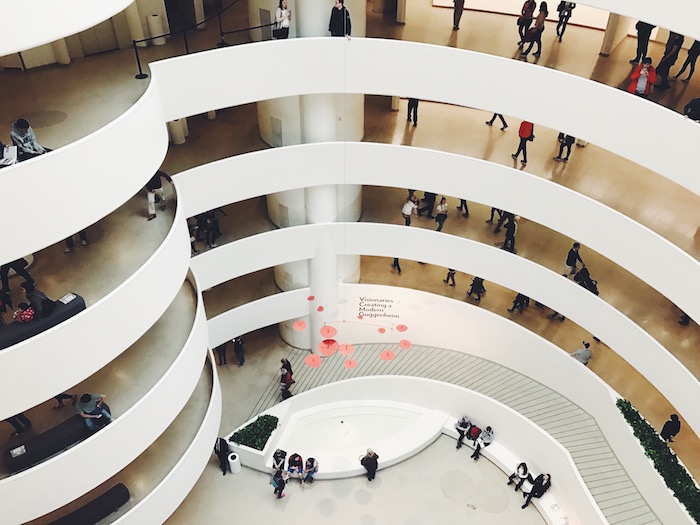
92, 409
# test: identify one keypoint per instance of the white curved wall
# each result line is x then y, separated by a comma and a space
110, 450
23, 26
517, 434
491, 337
552, 205
162, 501
77, 185
85, 343
624, 336
374, 66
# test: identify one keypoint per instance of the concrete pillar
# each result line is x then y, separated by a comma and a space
133, 20
199, 14
615, 32
401, 11
176, 132
395, 103
60, 51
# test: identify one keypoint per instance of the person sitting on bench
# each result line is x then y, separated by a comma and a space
23, 137
90, 408
42, 305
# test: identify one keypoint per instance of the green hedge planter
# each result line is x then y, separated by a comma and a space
675, 475
257, 433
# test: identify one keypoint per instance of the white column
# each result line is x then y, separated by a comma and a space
60, 51
400, 11
133, 20
615, 32
323, 283
176, 131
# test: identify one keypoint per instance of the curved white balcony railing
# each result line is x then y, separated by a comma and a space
440, 404
374, 66
77, 185
24, 26
438, 321
110, 450
85, 343
163, 500
625, 337
200, 82
552, 205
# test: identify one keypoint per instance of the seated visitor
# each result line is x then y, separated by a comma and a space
371, 463
521, 474
539, 487
23, 137
24, 313
310, 468
8, 155
671, 428
462, 427
91, 410
278, 459
295, 464
42, 305
484, 440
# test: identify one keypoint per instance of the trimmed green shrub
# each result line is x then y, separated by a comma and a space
257, 433
675, 475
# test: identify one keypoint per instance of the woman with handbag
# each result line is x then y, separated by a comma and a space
441, 216
534, 34
283, 16
525, 19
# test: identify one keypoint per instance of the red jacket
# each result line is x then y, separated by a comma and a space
526, 129
651, 78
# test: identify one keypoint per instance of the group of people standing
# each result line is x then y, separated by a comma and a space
645, 75
339, 24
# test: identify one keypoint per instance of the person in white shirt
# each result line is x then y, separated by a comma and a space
441, 214
283, 16
409, 208
583, 354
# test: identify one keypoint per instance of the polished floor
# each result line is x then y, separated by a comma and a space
66, 103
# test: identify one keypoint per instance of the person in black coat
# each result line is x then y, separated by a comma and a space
565, 141
520, 302
673, 47
42, 305
692, 109
671, 428
643, 33
690, 60
429, 204
340, 24
19, 266
539, 487
371, 463
477, 287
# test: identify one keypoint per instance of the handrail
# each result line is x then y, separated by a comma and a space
222, 42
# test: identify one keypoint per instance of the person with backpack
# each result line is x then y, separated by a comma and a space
484, 440
526, 134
